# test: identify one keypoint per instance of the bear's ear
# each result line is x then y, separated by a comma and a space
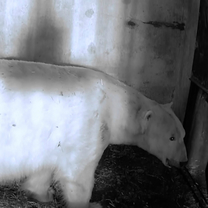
168, 105
145, 120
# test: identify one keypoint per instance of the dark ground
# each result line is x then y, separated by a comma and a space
126, 177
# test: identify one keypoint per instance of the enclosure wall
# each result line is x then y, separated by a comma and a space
146, 44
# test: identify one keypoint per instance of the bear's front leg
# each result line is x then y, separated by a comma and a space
37, 185
78, 191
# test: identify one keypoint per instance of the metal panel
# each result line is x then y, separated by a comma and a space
198, 141
200, 66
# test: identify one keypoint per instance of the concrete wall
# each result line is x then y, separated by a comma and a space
147, 44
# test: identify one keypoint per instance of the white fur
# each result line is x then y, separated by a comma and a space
57, 121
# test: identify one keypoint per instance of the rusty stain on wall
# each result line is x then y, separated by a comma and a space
127, 2
92, 48
131, 24
174, 25
89, 13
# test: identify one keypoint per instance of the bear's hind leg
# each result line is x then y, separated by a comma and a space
37, 185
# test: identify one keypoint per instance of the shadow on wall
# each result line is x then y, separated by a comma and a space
121, 37
133, 72
45, 38
149, 50
163, 32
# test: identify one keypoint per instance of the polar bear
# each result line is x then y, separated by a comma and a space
55, 123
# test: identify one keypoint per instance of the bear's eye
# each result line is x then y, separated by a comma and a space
172, 138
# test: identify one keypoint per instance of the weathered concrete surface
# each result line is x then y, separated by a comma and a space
147, 44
